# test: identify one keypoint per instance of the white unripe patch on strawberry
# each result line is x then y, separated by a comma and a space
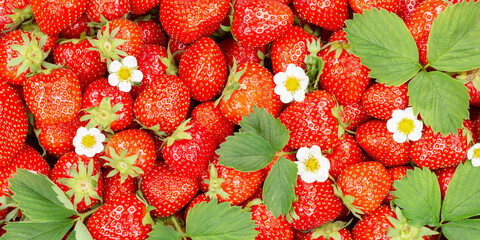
312, 165
88, 141
405, 126
124, 74
291, 84
473, 154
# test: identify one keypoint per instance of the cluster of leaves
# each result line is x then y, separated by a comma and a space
384, 44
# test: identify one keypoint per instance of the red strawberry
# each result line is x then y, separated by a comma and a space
242, 54
131, 153
203, 69
311, 122
13, 119
109, 9
290, 48
316, 205
187, 21
77, 28
53, 96
368, 183
140, 7
113, 186
53, 16
374, 137
330, 231
152, 63
252, 29
435, 150
165, 103
353, 115
85, 63
397, 173
189, 149
177, 48
444, 176
120, 218
346, 153
228, 184
359, 6
420, 23
13, 13
406, 8
152, 32
99, 109
248, 85
343, 75
380, 101
79, 177
167, 191
330, 16
268, 226
211, 117
374, 225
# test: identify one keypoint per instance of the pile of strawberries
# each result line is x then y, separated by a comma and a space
125, 104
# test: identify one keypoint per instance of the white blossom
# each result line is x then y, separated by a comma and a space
124, 74
88, 142
405, 126
312, 165
291, 84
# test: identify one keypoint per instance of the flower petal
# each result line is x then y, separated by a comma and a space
415, 135
309, 177
324, 164
113, 79
280, 78
129, 62
322, 176
114, 66
302, 154
301, 167
316, 151
398, 114
409, 113
286, 98
280, 90
392, 125
399, 137
476, 162
299, 95
136, 76
125, 86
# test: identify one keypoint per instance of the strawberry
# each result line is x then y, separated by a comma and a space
228, 184
242, 54
50, 40
53, 96
131, 153
139, 7
359, 6
374, 137
204, 69
268, 226
165, 103
248, 85
14, 13
85, 63
107, 106
13, 119
177, 48
290, 48
211, 117
167, 191
435, 150
330, 231
374, 225
343, 75
189, 149
252, 29
380, 101
187, 21
406, 8
124, 217
367, 182
346, 153
113, 186
311, 122
79, 177
316, 205
330, 16
53, 16
151, 62
397, 173
109, 9
353, 115
152, 32
444, 176
77, 28
420, 23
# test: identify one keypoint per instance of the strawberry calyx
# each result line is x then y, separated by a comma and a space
147, 219
232, 82
155, 129
347, 201
169, 61
179, 133
470, 76
342, 127
31, 56
82, 184
401, 230
18, 17
122, 164
313, 63
215, 184
7, 202
330, 230
102, 115
107, 44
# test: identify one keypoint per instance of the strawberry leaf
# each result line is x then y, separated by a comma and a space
462, 229
162, 232
39, 198
418, 194
454, 38
37, 230
383, 43
246, 152
262, 123
80, 231
279, 187
219, 221
441, 101
463, 194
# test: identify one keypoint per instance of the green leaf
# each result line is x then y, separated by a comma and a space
279, 187
246, 152
162, 232
219, 221
441, 101
463, 194
39, 198
81, 231
454, 38
37, 230
462, 229
383, 43
418, 195
262, 123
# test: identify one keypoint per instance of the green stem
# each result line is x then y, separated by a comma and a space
86, 214
281, 154
177, 226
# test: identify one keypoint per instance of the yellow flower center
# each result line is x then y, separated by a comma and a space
88, 141
476, 153
312, 164
124, 74
406, 126
292, 84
